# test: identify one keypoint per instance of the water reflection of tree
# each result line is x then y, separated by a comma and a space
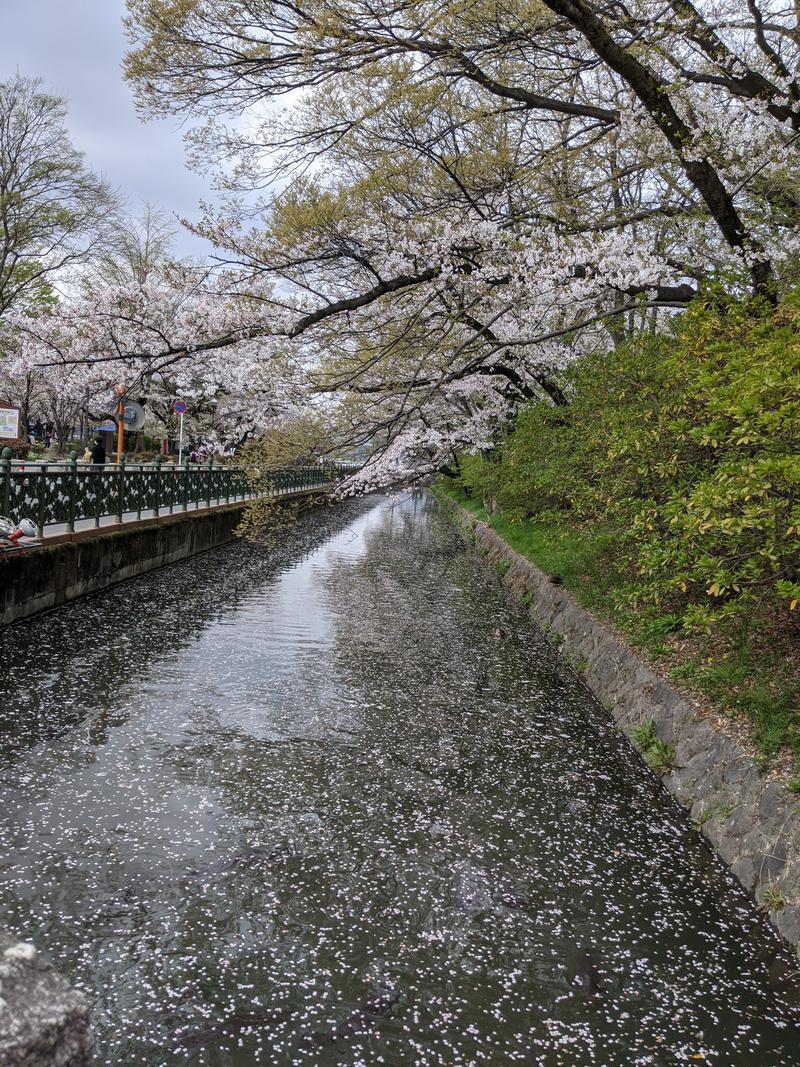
61, 667
417, 636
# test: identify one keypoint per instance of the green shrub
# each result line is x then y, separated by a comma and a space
657, 753
728, 531
19, 448
683, 450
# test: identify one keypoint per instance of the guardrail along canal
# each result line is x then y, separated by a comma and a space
337, 801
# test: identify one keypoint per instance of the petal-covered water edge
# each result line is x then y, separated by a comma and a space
335, 801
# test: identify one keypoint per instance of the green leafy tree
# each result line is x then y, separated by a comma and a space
54, 212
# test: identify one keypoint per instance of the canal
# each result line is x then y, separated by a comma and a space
334, 800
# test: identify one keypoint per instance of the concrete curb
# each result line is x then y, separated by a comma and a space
752, 824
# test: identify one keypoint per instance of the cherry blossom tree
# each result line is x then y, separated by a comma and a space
702, 97
139, 334
428, 210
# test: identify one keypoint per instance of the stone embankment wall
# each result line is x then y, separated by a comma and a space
752, 823
87, 562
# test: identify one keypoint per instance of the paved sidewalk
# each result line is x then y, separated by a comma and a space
55, 532
110, 521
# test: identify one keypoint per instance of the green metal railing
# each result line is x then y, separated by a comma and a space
53, 494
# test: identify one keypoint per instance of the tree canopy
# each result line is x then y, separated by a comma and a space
431, 209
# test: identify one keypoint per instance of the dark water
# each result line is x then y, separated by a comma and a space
304, 806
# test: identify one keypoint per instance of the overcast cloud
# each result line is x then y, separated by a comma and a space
76, 47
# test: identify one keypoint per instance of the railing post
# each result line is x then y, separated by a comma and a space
228, 476
139, 488
210, 473
186, 486
158, 461
121, 487
96, 479
41, 511
5, 468
73, 490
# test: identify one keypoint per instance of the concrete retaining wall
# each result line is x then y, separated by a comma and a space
93, 560
752, 823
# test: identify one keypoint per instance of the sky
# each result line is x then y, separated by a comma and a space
76, 47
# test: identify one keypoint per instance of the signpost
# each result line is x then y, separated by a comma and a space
179, 407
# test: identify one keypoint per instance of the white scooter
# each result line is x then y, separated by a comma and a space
11, 533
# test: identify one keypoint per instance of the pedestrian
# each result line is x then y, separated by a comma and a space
87, 455
98, 454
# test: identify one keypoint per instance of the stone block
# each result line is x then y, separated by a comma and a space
739, 822
727, 847
773, 801
787, 923
772, 863
696, 739
43, 1021
745, 870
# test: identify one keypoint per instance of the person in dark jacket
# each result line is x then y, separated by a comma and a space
98, 453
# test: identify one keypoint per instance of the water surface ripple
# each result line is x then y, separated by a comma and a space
305, 805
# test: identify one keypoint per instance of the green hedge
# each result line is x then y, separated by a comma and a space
684, 449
